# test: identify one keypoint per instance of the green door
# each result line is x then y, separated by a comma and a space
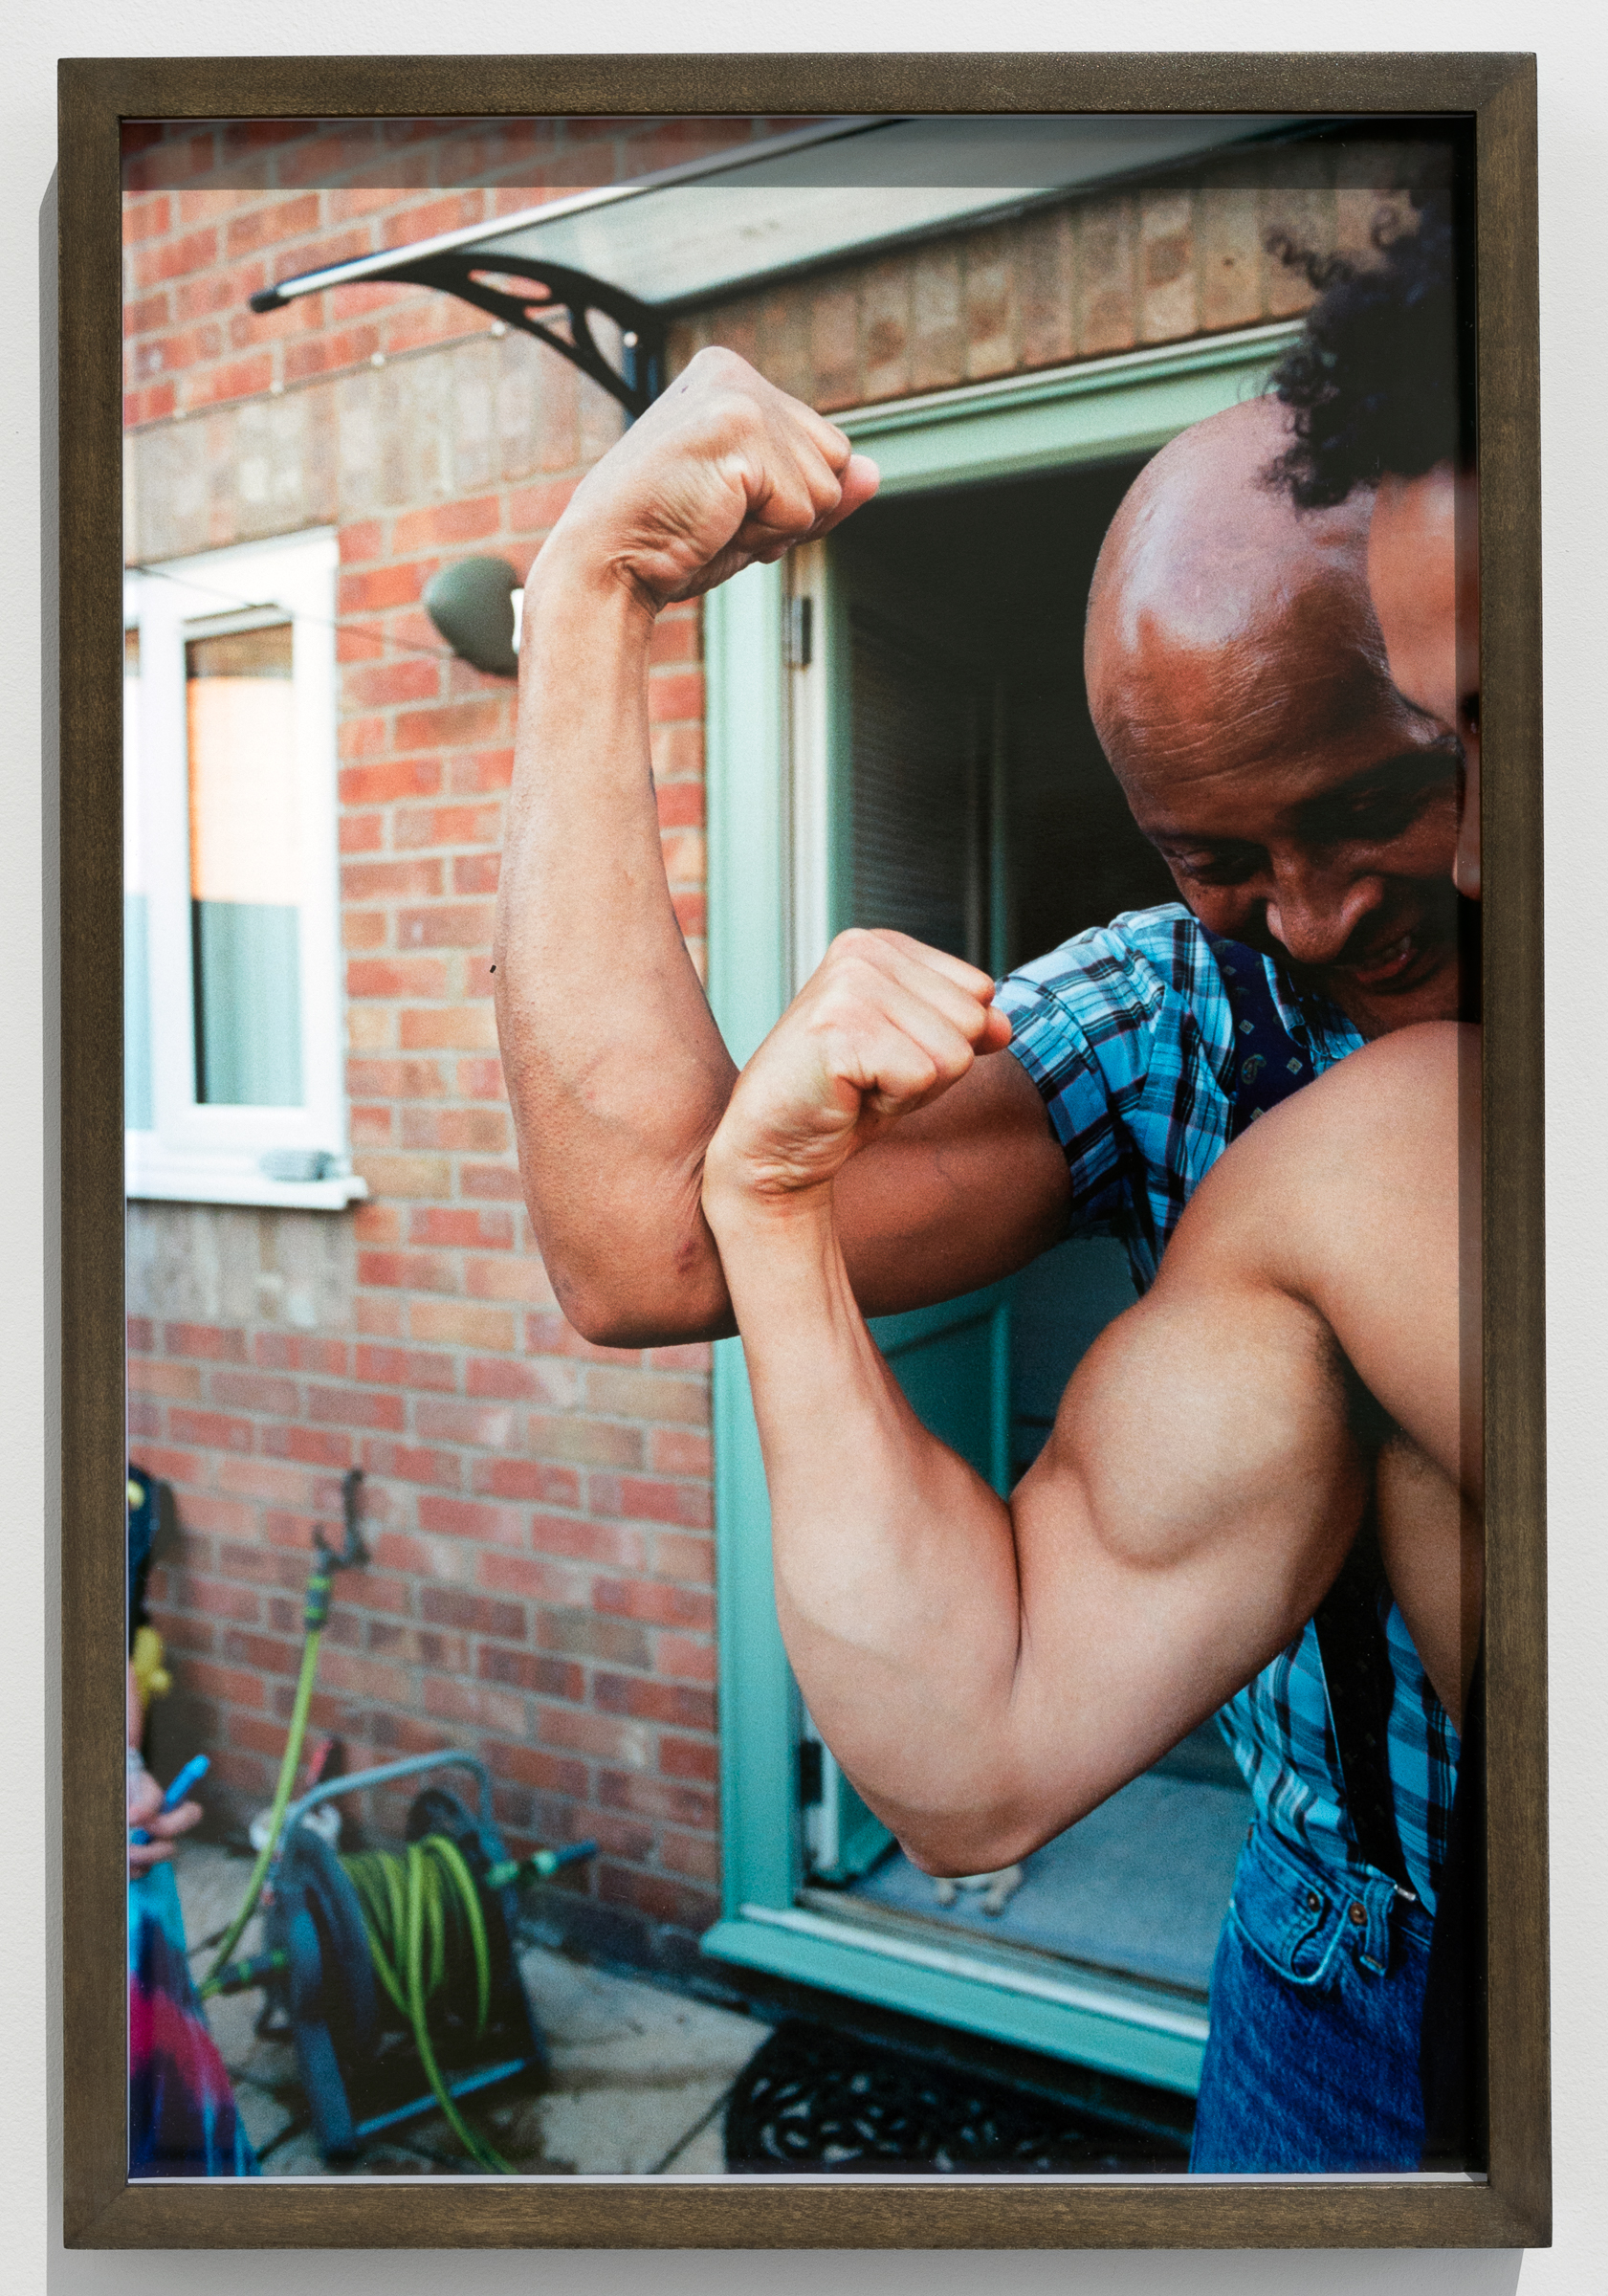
910, 783
952, 1361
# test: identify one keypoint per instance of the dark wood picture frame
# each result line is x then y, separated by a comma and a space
1511, 2208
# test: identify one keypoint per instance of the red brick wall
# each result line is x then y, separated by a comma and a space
212, 211
540, 1510
1109, 271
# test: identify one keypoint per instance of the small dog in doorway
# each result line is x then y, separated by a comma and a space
997, 1888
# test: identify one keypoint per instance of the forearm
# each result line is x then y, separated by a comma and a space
896, 1565
615, 1068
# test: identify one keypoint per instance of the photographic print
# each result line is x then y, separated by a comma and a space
802, 1022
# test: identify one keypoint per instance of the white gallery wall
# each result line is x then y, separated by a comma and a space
1572, 41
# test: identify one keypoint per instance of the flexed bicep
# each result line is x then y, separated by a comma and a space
1196, 1497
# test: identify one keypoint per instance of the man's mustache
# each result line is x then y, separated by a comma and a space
1434, 920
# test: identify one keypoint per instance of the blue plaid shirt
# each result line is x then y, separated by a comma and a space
1126, 1032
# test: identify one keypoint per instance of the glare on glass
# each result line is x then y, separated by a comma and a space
246, 868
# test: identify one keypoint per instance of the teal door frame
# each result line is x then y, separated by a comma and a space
1091, 413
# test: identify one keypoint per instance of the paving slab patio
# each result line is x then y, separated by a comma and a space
635, 2084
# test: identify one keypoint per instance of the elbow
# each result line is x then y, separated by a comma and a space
971, 1841
629, 1328
630, 1267
601, 1317
958, 1818
1003, 1818
609, 1312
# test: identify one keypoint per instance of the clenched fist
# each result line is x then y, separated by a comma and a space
881, 1028
723, 472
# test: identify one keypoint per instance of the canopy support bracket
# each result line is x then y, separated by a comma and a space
558, 294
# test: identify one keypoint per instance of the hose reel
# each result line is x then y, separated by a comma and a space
387, 1968
394, 1975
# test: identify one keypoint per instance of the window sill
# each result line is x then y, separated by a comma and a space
157, 1179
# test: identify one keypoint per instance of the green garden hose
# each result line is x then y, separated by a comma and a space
421, 1910
317, 1611
427, 1936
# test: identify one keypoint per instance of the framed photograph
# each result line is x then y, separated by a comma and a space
568, 1870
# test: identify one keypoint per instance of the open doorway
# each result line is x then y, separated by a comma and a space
971, 806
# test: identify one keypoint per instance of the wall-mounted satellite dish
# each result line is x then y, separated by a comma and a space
475, 606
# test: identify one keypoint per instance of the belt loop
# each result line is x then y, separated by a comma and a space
1368, 1912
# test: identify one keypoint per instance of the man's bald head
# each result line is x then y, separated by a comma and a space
1238, 686
1210, 582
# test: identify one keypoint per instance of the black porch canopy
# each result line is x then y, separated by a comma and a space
639, 253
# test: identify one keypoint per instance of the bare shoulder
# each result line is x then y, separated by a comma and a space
1358, 1198
1381, 1138
1403, 1093
1407, 1076
1404, 1086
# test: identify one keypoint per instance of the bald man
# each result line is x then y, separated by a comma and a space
1310, 820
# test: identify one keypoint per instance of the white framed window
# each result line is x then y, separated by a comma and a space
232, 999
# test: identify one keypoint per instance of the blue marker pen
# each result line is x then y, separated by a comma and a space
192, 1773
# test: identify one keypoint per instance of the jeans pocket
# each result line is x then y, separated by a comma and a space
1286, 1913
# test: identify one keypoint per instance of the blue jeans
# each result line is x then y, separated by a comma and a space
1316, 2004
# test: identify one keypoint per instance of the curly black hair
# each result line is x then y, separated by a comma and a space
1375, 382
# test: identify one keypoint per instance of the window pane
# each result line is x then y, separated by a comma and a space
137, 1110
246, 869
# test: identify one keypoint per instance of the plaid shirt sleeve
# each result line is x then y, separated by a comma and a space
1126, 1032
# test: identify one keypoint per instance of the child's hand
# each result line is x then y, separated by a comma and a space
163, 1827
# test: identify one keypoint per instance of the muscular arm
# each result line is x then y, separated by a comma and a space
987, 1673
615, 1068
1357, 1202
